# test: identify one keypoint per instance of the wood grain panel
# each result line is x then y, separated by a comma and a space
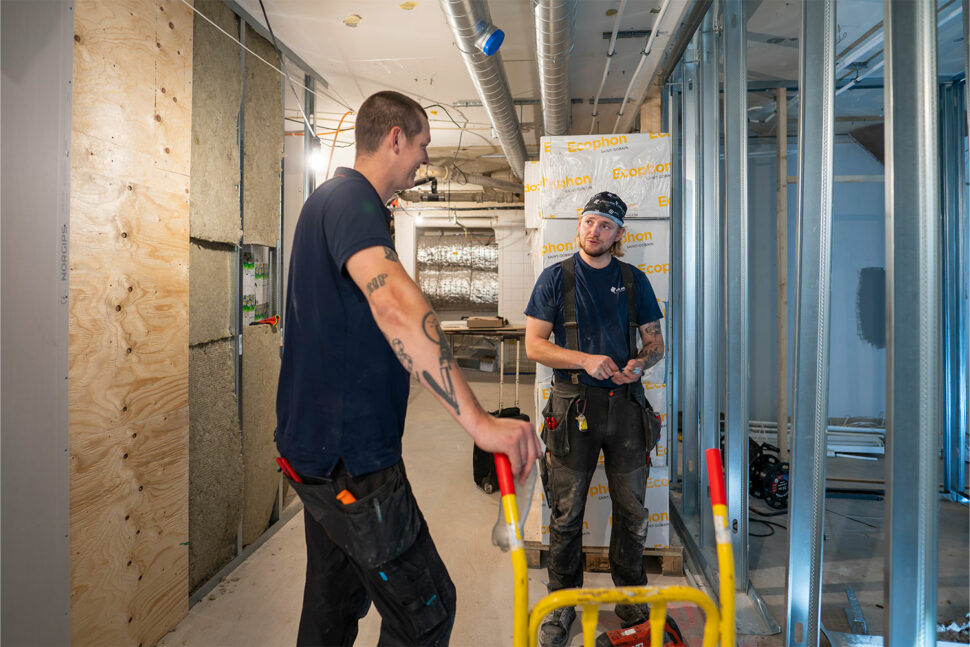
127, 492
128, 354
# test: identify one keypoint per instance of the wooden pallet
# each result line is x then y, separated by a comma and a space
668, 561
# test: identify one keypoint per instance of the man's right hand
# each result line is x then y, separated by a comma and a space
600, 367
514, 438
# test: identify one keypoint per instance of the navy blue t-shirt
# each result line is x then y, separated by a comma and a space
342, 392
601, 311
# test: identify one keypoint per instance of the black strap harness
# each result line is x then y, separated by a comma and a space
569, 308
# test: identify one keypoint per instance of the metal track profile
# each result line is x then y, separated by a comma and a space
690, 315
710, 422
913, 314
810, 367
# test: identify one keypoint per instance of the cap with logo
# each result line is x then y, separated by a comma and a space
606, 204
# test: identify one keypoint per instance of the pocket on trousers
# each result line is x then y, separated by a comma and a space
382, 524
651, 425
557, 409
417, 595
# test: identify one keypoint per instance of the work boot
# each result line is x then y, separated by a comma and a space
554, 631
632, 614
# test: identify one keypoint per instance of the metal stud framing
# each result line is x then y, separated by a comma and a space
810, 366
736, 250
711, 265
690, 236
953, 173
913, 323
672, 125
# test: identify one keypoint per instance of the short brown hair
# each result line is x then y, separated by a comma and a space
382, 111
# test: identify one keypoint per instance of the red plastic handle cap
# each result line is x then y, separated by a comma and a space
715, 477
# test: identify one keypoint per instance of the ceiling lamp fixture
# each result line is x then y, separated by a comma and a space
352, 20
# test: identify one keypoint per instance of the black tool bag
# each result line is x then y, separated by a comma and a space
483, 462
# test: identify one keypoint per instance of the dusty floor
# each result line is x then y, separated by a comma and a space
258, 604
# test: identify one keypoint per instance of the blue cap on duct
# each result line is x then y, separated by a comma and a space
606, 204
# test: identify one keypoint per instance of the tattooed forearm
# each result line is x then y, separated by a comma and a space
653, 345
402, 356
376, 283
446, 363
390, 254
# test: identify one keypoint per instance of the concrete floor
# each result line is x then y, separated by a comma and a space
258, 604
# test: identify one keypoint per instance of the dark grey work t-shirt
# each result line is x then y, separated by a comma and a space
342, 392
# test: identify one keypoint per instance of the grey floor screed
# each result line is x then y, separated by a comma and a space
258, 603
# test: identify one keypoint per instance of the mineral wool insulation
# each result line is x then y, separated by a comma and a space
215, 460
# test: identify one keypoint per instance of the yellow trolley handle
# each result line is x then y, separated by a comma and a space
520, 569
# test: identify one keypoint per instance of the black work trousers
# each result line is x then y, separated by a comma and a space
375, 548
615, 425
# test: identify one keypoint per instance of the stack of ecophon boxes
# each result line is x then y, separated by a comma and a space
569, 172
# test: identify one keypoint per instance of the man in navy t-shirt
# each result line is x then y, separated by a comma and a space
597, 401
356, 326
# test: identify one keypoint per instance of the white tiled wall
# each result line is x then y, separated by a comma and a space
515, 273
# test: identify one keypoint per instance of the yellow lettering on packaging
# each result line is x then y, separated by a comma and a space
631, 237
550, 248
655, 269
596, 144
640, 171
664, 201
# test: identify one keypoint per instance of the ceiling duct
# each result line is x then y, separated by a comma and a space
469, 20
554, 42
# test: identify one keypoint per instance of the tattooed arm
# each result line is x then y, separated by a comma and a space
414, 333
651, 353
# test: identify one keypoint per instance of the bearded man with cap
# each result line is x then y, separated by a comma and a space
595, 306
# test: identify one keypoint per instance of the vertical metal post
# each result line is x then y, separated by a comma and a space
672, 109
691, 280
953, 188
710, 422
912, 322
238, 283
309, 101
781, 112
811, 360
736, 285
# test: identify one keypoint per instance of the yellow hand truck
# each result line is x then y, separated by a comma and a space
718, 623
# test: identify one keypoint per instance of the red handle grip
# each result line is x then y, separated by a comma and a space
503, 469
715, 477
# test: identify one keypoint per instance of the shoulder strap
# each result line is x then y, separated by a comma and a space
569, 309
626, 271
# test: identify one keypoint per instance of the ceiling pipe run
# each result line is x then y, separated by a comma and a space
469, 19
554, 42
445, 174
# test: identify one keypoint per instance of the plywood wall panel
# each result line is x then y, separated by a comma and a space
128, 572
263, 147
215, 461
128, 327
216, 95
260, 372
210, 295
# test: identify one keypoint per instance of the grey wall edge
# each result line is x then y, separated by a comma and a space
37, 60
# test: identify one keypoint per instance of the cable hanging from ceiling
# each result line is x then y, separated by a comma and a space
606, 68
643, 59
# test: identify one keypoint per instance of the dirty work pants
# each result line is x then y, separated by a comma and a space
615, 426
376, 548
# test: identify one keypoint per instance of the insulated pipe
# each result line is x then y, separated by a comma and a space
467, 19
444, 174
554, 41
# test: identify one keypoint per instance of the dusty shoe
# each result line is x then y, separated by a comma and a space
554, 631
632, 614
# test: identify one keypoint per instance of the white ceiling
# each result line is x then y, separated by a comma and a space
412, 50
